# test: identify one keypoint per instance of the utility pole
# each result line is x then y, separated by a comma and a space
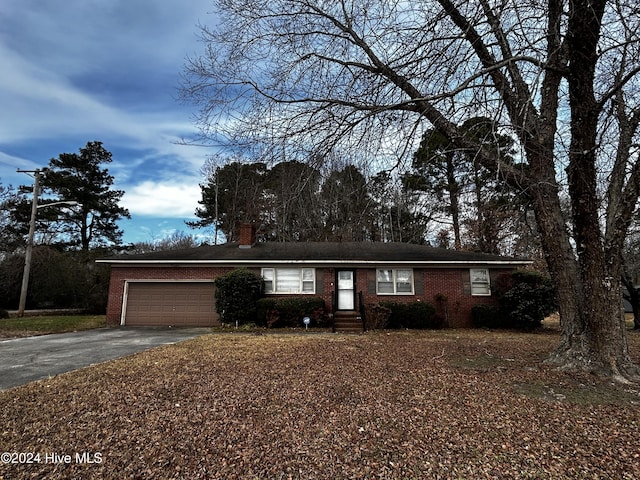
32, 229
215, 240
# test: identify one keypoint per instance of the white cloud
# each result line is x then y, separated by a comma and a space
176, 200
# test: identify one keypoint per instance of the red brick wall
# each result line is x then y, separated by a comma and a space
454, 285
447, 289
429, 284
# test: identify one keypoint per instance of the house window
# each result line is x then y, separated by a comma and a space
289, 280
394, 281
480, 281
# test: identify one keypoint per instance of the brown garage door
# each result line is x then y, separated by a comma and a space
172, 303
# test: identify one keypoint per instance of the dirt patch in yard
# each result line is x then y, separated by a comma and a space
446, 404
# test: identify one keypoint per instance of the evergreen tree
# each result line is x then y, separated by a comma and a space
81, 178
231, 195
11, 230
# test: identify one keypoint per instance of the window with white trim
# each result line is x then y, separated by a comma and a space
392, 281
289, 280
480, 281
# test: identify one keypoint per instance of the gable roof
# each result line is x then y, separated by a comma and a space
316, 253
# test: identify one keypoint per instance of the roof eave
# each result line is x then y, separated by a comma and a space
246, 262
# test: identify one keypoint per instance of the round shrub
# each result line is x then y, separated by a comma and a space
529, 300
236, 295
526, 297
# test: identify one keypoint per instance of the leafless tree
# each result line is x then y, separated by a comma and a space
177, 240
372, 76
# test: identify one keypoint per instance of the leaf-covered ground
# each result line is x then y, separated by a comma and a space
405, 405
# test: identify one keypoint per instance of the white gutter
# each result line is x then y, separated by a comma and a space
317, 262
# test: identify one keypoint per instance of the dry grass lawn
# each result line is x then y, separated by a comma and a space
403, 405
46, 324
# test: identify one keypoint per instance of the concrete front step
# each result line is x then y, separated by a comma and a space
347, 322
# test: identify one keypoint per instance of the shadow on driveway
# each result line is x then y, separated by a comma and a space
24, 360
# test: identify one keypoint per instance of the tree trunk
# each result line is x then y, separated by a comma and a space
562, 265
454, 188
594, 338
593, 329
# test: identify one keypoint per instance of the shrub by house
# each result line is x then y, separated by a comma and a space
236, 295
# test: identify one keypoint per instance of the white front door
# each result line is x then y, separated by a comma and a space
346, 290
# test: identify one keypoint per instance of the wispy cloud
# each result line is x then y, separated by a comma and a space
83, 70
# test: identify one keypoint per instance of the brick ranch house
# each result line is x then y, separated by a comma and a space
176, 287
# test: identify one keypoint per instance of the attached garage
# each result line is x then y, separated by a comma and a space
178, 304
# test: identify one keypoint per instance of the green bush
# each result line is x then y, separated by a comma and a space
528, 301
525, 298
236, 295
414, 315
486, 316
290, 311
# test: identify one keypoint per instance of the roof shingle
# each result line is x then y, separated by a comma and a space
310, 252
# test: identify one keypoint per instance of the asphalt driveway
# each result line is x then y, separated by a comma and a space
24, 360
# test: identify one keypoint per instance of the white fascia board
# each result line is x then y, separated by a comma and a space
355, 263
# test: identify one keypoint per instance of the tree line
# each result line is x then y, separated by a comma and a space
445, 198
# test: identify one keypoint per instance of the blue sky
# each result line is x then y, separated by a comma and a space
75, 71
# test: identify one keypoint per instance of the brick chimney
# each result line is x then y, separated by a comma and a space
247, 235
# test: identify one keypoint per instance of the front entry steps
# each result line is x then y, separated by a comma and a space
347, 321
